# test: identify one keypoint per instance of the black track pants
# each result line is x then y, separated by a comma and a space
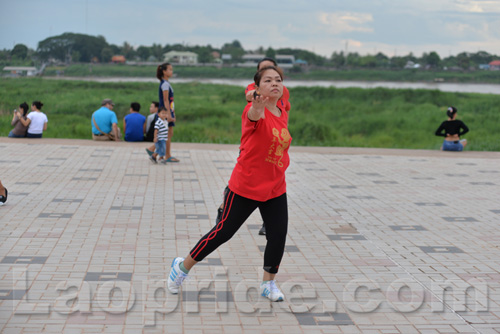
236, 210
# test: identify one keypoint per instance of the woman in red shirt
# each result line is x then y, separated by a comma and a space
283, 102
257, 181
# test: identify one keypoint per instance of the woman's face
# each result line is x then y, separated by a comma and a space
271, 84
169, 71
33, 108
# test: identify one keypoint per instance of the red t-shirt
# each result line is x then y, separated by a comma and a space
259, 173
283, 102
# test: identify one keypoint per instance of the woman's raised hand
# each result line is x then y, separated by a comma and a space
259, 106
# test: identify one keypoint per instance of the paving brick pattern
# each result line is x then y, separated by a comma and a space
380, 241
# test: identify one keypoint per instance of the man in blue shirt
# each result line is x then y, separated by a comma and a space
134, 124
105, 123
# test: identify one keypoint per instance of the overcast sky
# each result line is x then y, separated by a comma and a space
394, 27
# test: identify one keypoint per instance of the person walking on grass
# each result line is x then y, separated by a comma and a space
257, 181
452, 129
166, 99
161, 136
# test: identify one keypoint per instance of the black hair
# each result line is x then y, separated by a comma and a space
160, 69
266, 59
258, 76
156, 103
135, 106
24, 106
37, 104
162, 108
451, 112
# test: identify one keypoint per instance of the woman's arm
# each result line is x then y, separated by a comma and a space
25, 122
440, 130
170, 118
166, 101
257, 110
464, 129
15, 119
45, 126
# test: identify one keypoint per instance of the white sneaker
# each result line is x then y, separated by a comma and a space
176, 276
270, 290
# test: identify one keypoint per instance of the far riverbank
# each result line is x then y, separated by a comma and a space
441, 86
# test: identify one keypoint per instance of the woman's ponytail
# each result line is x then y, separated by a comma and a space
451, 112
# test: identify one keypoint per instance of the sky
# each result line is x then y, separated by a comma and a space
393, 27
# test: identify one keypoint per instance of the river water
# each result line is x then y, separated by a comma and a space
442, 86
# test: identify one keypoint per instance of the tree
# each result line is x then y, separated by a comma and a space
20, 51
382, 60
106, 55
204, 55
433, 59
353, 59
463, 60
143, 52
271, 53
127, 51
310, 57
157, 52
62, 47
338, 59
234, 49
368, 61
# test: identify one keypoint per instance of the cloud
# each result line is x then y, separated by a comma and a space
346, 22
478, 6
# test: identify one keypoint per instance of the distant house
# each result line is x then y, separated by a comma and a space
495, 65
181, 57
410, 65
283, 61
21, 70
226, 57
118, 59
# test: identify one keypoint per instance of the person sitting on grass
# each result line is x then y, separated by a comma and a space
452, 129
105, 123
36, 121
134, 124
20, 129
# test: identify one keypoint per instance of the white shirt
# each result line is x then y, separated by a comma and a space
38, 120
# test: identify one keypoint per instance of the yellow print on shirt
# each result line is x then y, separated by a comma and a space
278, 147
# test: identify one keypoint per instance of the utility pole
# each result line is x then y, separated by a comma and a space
346, 45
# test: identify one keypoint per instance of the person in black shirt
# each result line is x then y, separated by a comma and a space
452, 130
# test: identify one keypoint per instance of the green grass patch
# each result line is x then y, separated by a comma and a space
345, 117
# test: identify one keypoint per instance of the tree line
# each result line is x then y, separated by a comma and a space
80, 48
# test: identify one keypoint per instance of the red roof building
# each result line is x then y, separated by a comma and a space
118, 59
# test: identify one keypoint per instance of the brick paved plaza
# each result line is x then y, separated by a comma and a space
380, 241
